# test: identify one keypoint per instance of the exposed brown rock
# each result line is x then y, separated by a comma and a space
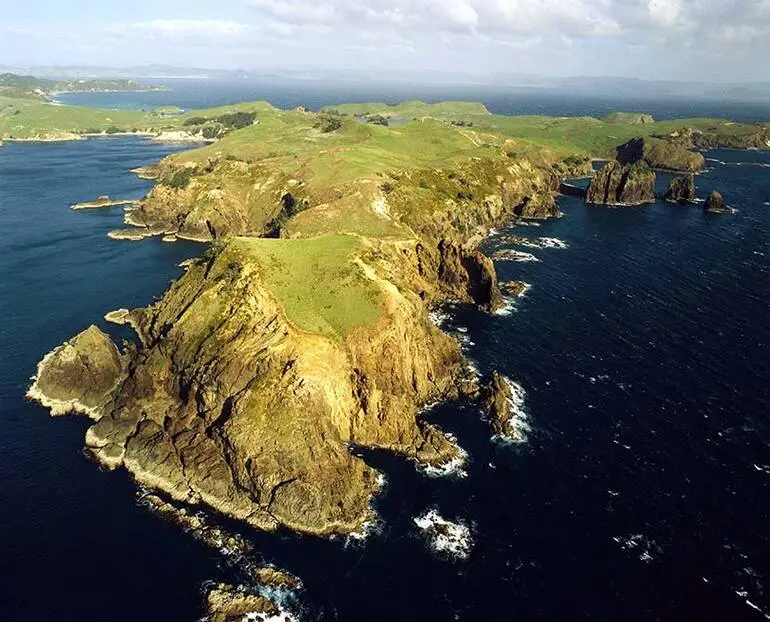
497, 399
80, 375
715, 204
471, 273
681, 190
225, 603
616, 184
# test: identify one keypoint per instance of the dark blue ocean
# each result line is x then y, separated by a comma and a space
642, 492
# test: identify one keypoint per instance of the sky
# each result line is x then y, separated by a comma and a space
708, 40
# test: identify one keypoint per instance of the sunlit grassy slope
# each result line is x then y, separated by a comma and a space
27, 118
316, 281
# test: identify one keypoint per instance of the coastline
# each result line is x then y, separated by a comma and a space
374, 380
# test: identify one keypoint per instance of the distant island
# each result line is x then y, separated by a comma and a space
305, 329
30, 87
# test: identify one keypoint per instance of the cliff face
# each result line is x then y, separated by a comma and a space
218, 198
269, 359
616, 184
230, 404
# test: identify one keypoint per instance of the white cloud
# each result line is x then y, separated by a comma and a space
186, 29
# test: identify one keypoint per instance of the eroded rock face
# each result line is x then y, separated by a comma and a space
80, 375
616, 184
229, 404
226, 603
497, 398
681, 190
715, 204
469, 273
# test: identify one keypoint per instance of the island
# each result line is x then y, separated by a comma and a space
304, 331
31, 87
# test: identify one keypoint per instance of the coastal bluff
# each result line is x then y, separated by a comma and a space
305, 330
271, 357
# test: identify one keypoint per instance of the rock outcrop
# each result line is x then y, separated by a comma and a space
469, 273
226, 603
498, 398
80, 375
660, 154
681, 190
715, 204
616, 184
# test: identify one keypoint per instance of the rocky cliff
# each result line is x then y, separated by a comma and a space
681, 190
616, 184
269, 359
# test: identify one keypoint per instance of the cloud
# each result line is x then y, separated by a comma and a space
191, 29
509, 19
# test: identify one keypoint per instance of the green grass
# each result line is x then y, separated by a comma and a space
415, 110
26, 118
316, 282
357, 150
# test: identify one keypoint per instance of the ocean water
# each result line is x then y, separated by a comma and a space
289, 93
640, 492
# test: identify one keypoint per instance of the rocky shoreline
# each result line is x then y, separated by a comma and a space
175, 412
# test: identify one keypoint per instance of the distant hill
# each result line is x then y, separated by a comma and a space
31, 87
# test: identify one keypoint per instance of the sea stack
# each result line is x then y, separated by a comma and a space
715, 204
681, 190
616, 184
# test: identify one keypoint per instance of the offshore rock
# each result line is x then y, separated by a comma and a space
497, 398
80, 375
226, 603
681, 190
616, 184
715, 204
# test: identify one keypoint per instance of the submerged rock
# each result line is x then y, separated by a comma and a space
681, 190
715, 204
616, 184
80, 375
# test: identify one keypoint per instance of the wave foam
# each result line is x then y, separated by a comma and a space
445, 537
511, 255
638, 543
542, 243
454, 468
